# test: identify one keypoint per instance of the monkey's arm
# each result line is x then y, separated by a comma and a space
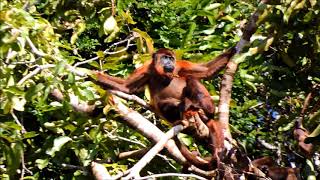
135, 82
206, 70
218, 63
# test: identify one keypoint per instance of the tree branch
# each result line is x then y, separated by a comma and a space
75, 102
135, 170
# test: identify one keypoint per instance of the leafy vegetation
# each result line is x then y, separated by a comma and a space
42, 42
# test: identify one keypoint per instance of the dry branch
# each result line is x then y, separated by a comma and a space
135, 170
227, 80
226, 89
133, 154
99, 171
76, 104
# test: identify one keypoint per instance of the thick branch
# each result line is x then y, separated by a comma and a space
135, 170
227, 80
99, 171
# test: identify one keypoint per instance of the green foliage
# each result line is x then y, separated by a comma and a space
41, 40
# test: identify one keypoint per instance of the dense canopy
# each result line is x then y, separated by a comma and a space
55, 121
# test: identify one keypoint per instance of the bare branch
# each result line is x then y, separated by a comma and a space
211, 173
155, 176
113, 137
133, 154
135, 170
304, 108
107, 51
75, 102
34, 49
23, 130
267, 145
99, 171
35, 72
227, 80
113, 9
131, 98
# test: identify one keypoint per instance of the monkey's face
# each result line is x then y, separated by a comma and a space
168, 63
165, 62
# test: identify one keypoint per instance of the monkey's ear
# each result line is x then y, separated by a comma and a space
154, 56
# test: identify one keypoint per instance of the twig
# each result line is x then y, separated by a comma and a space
165, 158
23, 130
131, 98
76, 104
267, 145
42, 54
304, 108
135, 170
111, 136
74, 167
34, 49
211, 173
22, 169
35, 72
106, 52
133, 154
154, 176
140, 152
26, 62
113, 11
128, 40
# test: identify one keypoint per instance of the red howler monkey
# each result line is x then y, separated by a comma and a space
174, 85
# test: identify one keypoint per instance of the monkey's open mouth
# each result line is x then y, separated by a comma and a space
168, 69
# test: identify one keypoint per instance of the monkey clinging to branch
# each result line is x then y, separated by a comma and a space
175, 88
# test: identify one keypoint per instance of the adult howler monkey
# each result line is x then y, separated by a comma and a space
175, 87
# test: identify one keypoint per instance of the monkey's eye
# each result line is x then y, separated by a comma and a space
166, 58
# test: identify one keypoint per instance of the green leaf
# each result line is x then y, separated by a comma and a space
31, 134
10, 81
314, 137
57, 145
71, 78
11, 125
56, 104
12, 154
18, 103
87, 93
14, 90
109, 25
147, 38
42, 163
80, 27
189, 34
187, 140
34, 90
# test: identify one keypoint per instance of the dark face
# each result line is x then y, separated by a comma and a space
168, 63
164, 62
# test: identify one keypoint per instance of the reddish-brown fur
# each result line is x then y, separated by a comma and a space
174, 93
